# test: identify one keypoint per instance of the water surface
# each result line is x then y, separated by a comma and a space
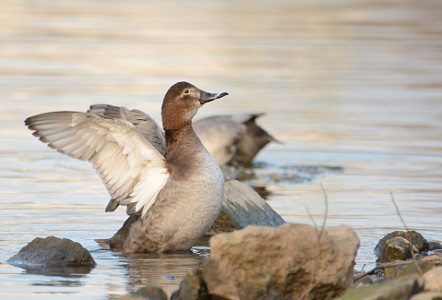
349, 84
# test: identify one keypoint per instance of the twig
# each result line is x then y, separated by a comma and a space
311, 218
318, 234
398, 211
388, 265
318, 237
324, 221
413, 256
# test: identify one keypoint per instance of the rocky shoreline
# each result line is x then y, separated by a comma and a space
256, 255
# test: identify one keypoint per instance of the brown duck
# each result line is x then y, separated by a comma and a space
173, 190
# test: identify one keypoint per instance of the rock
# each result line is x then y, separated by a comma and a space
223, 223
52, 251
400, 289
127, 297
433, 245
427, 296
397, 271
433, 279
435, 257
397, 248
287, 262
412, 236
192, 287
367, 280
151, 293
242, 206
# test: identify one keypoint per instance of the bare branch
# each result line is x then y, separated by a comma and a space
313, 221
413, 256
331, 269
398, 212
389, 265
324, 221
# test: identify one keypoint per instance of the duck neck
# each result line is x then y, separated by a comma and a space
178, 135
183, 148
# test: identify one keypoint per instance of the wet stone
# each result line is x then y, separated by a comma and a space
192, 287
150, 293
397, 248
412, 236
433, 245
52, 251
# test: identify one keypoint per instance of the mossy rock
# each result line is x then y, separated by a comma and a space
412, 236
397, 248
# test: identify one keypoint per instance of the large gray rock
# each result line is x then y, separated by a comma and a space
285, 262
242, 206
412, 236
400, 289
51, 251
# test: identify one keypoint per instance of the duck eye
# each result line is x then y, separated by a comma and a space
186, 92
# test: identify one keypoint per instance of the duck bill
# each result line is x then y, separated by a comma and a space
207, 97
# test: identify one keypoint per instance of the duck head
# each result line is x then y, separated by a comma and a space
182, 102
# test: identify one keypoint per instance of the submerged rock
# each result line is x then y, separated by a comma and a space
412, 236
290, 261
397, 248
52, 251
242, 206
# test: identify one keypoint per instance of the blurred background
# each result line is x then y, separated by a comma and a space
353, 89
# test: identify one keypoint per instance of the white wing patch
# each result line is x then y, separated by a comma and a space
131, 168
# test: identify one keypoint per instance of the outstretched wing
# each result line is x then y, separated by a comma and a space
145, 125
132, 169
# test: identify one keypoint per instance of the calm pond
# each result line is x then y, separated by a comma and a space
352, 89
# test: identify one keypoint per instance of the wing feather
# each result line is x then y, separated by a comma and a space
145, 125
132, 170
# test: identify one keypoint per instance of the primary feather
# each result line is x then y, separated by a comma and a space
133, 170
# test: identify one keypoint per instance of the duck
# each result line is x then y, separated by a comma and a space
233, 139
172, 187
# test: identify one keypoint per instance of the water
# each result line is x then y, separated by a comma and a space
348, 84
